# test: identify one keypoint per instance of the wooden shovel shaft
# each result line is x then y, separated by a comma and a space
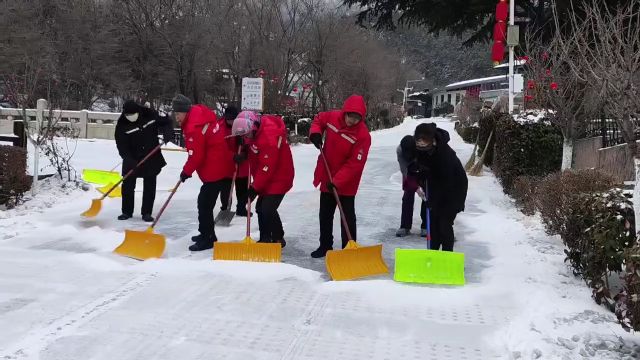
155, 150
166, 203
335, 194
233, 182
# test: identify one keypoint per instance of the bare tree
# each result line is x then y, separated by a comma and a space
554, 88
607, 44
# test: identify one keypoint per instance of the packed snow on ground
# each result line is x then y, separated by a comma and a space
65, 295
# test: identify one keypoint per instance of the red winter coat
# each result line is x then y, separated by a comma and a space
234, 142
209, 153
270, 157
345, 147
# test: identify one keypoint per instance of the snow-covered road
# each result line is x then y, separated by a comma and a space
64, 295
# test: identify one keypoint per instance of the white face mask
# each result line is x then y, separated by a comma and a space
132, 117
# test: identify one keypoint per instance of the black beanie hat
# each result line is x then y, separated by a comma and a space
130, 107
181, 104
231, 112
425, 132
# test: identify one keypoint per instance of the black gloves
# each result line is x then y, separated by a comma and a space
251, 193
316, 139
239, 158
184, 176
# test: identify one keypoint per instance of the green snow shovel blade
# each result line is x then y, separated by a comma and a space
429, 267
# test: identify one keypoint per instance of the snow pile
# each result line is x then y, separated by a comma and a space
534, 116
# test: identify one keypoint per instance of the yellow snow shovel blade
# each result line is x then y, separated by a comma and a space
94, 210
116, 193
248, 250
142, 245
100, 177
355, 262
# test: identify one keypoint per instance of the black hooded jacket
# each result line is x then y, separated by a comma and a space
444, 174
135, 140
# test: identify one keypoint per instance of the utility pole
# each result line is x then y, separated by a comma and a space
512, 22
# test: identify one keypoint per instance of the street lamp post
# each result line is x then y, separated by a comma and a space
404, 92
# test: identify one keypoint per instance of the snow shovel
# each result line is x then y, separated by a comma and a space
143, 245
248, 249
96, 204
353, 261
429, 266
224, 217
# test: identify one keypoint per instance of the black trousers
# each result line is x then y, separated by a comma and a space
268, 218
148, 195
406, 218
241, 185
327, 210
442, 229
207, 202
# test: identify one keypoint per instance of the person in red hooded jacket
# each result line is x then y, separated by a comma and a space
210, 156
242, 175
270, 165
346, 147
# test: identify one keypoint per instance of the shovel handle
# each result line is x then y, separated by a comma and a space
166, 203
249, 183
233, 181
335, 194
150, 154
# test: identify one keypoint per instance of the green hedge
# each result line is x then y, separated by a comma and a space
468, 133
14, 181
529, 149
487, 124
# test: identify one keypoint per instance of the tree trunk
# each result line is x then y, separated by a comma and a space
567, 154
636, 192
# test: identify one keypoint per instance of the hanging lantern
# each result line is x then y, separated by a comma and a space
531, 84
502, 10
548, 72
545, 56
295, 89
497, 52
554, 86
262, 73
528, 97
500, 32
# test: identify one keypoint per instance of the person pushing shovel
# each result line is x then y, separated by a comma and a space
270, 164
136, 137
438, 166
210, 156
346, 147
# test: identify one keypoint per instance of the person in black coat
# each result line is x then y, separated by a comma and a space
440, 173
136, 136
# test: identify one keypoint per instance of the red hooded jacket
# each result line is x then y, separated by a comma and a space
270, 157
234, 142
209, 153
346, 147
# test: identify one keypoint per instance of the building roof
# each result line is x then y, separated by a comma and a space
472, 82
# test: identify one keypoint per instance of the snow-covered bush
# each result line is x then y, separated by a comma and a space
533, 149
14, 181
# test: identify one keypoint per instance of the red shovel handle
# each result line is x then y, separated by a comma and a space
166, 203
335, 194
150, 154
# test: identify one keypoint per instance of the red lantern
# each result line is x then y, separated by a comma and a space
497, 52
295, 89
500, 31
528, 97
262, 73
554, 86
531, 84
502, 10
548, 72
545, 56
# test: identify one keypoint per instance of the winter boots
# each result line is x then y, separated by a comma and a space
124, 217
147, 218
202, 242
402, 232
320, 252
282, 242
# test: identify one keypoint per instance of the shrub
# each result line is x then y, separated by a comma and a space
533, 149
524, 193
14, 181
468, 133
628, 306
487, 124
556, 194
